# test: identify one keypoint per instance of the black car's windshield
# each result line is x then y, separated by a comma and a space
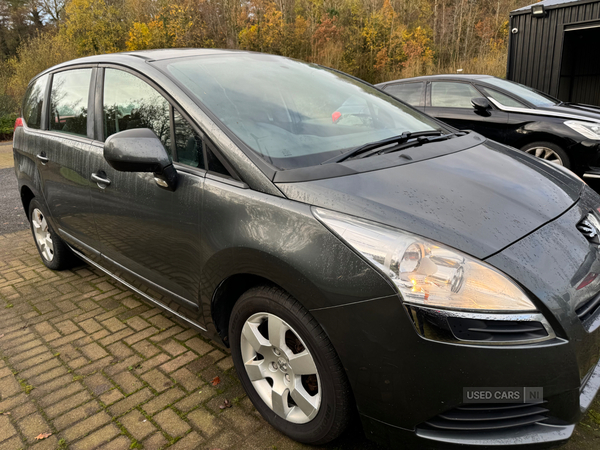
534, 97
291, 113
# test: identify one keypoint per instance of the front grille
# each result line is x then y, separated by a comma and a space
482, 417
589, 308
496, 330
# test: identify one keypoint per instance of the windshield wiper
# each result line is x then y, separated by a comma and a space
371, 149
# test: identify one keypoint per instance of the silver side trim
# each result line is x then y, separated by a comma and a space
540, 112
591, 175
137, 291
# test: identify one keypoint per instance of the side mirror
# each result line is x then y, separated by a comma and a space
481, 105
139, 150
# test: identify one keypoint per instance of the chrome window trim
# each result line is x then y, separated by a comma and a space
541, 112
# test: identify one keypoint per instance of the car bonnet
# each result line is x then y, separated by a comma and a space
479, 200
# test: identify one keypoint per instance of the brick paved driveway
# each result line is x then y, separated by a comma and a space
92, 363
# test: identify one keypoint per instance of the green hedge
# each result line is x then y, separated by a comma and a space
7, 125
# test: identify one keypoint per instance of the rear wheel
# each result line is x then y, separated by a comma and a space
288, 366
549, 152
55, 253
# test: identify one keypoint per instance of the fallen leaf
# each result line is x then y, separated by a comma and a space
2, 335
41, 436
226, 404
215, 381
5, 413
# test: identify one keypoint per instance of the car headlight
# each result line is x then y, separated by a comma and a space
588, 129
425, 272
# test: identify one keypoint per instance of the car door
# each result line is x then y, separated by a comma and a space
450, 101
146, 232
63, 152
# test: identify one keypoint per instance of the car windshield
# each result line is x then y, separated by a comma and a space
534, 97
294, 114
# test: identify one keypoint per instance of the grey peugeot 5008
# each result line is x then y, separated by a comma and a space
354, 253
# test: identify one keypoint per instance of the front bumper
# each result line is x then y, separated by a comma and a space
403, 381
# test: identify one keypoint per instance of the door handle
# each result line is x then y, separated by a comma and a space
100, 179
42, 157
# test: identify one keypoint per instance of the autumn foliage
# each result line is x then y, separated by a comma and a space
376, 40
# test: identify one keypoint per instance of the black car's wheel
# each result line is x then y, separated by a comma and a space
55, 254
288, 366
548, 151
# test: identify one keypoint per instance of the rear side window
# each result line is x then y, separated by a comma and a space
503, 99
132, 103
411, 93
445, 94
69, 101
33, 103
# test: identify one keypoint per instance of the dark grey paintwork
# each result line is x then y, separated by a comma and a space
197, 248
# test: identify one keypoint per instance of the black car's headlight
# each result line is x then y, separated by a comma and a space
588, 129
425, 272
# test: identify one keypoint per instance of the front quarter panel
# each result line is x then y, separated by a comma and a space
248, 232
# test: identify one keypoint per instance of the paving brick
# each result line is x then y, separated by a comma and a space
127, 382
166, 334
119, 350
139, 336
190, 442
137, 323
172, 347
161, 322
9, 387
61, 394
76, 415
120, 443
198, 397
171, 423
225, 364
205, 422
11, 444
96, 439
68, 404
126, 364
81, 429
93, 351
155, 442
90, 326
130, 402
187, 379
199, 346
98, 384
155, 361
146, 349
137, 424
114, 324
178, 362
108, 398
157, 380
163, 400
32, 425
40, 368
6, 429
130, 302
67, 327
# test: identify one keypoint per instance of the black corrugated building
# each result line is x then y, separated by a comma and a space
554, 46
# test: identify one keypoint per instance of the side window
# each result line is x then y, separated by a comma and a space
445, 94
187, 142
411, 93
503, 99
132, 103
33, 103
69, 101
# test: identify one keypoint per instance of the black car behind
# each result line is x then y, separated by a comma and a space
563, 133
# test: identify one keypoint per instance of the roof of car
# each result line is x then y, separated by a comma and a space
449, 76
147, 55
546, 3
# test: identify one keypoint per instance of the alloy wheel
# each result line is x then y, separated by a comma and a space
281, 368
546, 153
42, 234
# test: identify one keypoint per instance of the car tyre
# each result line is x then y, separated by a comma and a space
55, 253
313, 408
549, 152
